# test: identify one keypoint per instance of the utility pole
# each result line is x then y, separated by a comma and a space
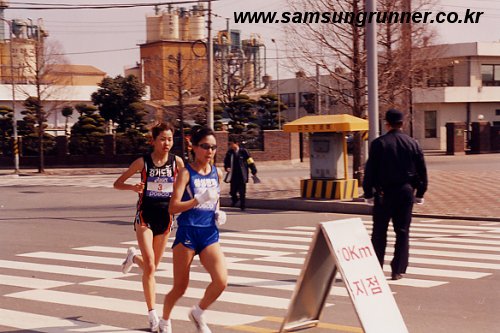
278, 82
39, 107
13, 87
210, 58
180, 91
372, 73
407, 74
318, 90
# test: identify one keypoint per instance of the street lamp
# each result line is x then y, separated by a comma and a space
277, 82
14, 121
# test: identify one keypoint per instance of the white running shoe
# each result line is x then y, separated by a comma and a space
196, 316
154, 321
165, 326
129, 261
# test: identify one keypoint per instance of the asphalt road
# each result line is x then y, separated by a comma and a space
61, 247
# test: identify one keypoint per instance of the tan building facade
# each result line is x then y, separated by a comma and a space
169, 65
75, 75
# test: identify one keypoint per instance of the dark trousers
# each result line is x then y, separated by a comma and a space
395, 204
238, 187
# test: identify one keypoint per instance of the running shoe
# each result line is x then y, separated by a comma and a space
154, 321
129, 261
196, 317
165, 326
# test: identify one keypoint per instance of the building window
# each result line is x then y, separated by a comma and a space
497, 112
440, 77
430, 124
288, 99
490, 75
308, 101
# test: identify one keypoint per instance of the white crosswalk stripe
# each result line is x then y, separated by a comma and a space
267, 261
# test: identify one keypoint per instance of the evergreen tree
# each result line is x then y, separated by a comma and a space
88, 132
118, 99
67, 112
240, 110
135, 138
218, 110
6, 130
34, 122
267, 106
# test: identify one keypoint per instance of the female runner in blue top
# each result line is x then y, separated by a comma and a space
152, 221
196, 198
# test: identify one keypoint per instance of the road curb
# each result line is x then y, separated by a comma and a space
341, 207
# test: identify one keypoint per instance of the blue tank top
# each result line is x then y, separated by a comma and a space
200, 215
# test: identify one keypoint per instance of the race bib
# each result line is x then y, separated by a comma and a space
159, 189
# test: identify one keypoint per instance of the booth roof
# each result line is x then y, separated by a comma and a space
327, 123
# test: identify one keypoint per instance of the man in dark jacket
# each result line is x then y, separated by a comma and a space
236, 163
395, 170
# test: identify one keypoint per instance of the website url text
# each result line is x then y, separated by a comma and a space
358, 19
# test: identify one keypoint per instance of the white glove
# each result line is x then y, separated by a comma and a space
419, 201
370, 201
220, 217
209, 195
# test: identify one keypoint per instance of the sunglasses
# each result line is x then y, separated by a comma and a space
207, 146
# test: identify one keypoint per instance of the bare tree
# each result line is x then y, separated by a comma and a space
38, 71
229, 79
338, 48
397, 66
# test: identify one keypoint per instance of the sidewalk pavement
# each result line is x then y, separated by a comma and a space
454, 191
451, 195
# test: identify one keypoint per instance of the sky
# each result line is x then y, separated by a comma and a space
108, 39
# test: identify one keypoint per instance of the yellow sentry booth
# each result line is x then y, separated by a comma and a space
328, 155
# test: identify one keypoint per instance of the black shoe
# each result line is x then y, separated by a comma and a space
242, 208
396, 276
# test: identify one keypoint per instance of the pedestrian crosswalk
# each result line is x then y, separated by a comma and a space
263, 267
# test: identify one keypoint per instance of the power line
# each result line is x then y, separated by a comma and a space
51, 6
96, 51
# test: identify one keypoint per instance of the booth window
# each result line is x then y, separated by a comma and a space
430, 124
490, 75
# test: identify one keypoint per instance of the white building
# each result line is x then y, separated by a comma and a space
54, 99
465, 87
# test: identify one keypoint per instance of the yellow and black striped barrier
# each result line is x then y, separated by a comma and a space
337, 189
16, 147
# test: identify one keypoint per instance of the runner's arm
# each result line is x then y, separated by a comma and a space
179, 163
135, 167
219, 173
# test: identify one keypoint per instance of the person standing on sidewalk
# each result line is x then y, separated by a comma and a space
153, 222
395, 170
196, 198
236, 163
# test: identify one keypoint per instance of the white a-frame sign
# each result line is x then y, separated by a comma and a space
344, 245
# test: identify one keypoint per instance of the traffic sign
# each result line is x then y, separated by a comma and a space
344, 246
